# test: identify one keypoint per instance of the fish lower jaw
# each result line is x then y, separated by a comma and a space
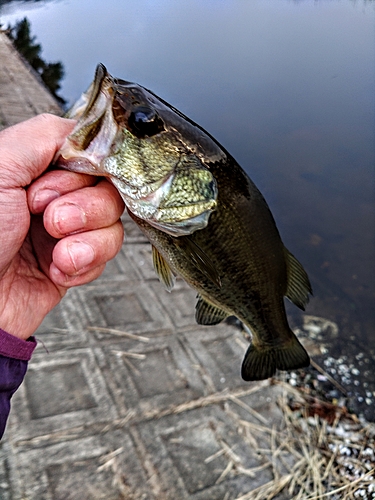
183, 227
176, 221
151, 214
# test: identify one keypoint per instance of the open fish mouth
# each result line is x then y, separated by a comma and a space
130, 136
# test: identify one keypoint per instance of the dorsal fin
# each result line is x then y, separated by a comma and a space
208, 314
163, 270
199, 258
299, 286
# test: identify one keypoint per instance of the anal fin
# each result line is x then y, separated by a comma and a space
208, 314
163, 270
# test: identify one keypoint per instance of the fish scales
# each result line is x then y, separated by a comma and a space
249, 261
205, 218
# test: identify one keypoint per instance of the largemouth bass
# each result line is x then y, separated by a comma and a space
206, 220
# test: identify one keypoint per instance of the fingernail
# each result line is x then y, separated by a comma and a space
81, 254
69, 218
58, 276
42, 198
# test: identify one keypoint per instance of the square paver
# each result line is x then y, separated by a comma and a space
189, 453
63, 327
124, 305
180, 303
100, 467
119, 268
220, 350
141, 257
155, 375
63, 392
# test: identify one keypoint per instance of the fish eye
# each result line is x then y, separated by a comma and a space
144, 121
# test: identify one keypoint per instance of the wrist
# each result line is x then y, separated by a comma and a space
18, 329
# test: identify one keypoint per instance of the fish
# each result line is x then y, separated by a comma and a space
206, 220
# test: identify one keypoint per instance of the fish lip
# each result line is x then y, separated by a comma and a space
82, 107
101, 74
78, 164
89, 111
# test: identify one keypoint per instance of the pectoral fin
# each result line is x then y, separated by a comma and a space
208, 314
163, 270
299, 286
200, 259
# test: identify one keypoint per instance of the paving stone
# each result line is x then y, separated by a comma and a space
188, 455
162, 375
64, 327
101, 467
128, 305
141, 257
220, 352
61, 390
5, 483
180, 303
120, 268
22, 93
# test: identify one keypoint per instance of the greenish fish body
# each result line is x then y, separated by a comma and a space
206, 220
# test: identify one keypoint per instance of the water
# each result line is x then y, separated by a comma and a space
286, 86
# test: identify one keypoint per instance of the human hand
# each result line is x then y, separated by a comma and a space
58, 229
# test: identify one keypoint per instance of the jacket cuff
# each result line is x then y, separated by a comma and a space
13, 347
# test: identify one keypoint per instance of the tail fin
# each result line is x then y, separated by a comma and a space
261, 363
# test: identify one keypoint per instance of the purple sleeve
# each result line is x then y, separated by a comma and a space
14, 355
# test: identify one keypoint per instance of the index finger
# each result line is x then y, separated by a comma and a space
26, 149
54, 184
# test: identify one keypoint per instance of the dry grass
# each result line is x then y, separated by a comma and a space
329, 460
318, 452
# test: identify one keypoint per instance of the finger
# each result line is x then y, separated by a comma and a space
43, 244
26, 149
54, 184
63, 281
84, 210
76, 255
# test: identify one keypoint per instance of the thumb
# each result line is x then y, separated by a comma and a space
26, 149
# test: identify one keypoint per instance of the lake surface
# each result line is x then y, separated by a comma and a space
286, 86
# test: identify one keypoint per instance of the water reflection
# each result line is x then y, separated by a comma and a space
285, 86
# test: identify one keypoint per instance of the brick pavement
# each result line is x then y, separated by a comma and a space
126, 397
22, 94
